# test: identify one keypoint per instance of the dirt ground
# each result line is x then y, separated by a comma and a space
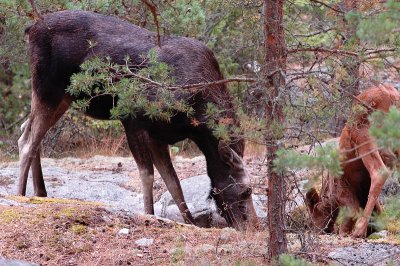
56, 231
63, 234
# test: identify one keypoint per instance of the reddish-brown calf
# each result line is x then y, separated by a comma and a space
364, 171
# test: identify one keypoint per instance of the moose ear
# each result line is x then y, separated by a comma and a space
312, 198
229, 156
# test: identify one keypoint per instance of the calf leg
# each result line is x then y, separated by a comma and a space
375, 166
138, 142
162, 161
41, 119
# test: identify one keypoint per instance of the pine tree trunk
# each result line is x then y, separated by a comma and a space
275, 64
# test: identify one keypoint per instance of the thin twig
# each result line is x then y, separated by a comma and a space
382, 51
322, 50
328, 6
16, 122
190, 86
313, 33
36, 13
153, 10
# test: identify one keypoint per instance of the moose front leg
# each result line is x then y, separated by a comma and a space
138, 141
162, 161
377, 169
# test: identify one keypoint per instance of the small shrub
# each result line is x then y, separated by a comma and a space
290, 260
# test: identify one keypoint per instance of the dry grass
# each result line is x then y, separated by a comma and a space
63, 234
254, 150
70, 234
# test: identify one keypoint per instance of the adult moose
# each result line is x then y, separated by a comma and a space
364, 170
59, 44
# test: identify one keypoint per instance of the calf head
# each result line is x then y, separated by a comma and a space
380, 97
323, 214
232, 192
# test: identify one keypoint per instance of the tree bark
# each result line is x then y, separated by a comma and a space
275, 65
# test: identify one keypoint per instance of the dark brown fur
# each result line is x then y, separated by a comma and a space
362, 179
59, 44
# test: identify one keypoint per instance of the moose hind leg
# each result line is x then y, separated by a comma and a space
42, 118
162, 161
38, 182
23, 156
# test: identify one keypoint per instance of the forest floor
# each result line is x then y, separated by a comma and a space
76, 226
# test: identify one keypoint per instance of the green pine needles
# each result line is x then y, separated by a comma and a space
326, 158
135, 89
385, 129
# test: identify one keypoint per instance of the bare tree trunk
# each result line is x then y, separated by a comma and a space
275, 65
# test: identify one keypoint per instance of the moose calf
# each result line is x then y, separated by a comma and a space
363, 171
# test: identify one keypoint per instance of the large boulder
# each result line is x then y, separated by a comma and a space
196, 191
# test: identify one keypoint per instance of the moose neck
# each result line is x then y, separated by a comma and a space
216, 169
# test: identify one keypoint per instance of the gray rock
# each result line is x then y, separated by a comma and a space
144, 242
6, 262
196, 191
379, 235
95, 179
124, 231
365, 253
227, 234
100, 184
205, 248
225, 249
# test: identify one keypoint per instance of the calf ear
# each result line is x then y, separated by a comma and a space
229, 156
312, 198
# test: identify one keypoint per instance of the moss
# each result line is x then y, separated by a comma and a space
245, 263
79, 229
40, 200
178, 253
393, 227
9, 216
374, 236
69, 213
397, 239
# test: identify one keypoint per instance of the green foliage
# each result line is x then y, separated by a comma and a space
326, 158
389, 219
346, 214
382, 27
184, 17
290, 260
233, 30
147, 91
384, 128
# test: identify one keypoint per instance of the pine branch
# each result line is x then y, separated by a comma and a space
328, 6
188, 86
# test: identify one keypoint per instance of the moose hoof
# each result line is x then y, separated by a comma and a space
41, 194
361, 229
